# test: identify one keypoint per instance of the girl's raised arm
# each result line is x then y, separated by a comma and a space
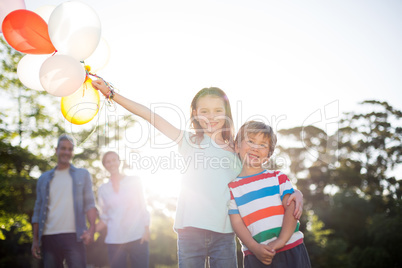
157, 121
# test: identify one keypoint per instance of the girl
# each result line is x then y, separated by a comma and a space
202, 221
124, 213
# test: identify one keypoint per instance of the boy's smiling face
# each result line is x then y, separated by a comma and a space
253, 150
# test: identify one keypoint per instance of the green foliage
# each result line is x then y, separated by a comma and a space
374, 141
17, 195
15, 246
18, 165
384, 231
351, 188
163, 250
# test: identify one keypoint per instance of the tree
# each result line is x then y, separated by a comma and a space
352, 190
18, 164
372, 145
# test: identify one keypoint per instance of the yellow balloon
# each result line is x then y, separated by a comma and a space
81, 106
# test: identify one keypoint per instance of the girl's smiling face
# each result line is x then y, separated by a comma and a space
210, 113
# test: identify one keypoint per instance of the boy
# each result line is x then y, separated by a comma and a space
258, 212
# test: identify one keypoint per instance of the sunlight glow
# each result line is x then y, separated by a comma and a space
274, 59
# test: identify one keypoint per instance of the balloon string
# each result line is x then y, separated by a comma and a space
84, 87
96, 125
106, 101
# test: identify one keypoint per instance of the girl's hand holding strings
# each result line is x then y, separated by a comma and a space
101, 86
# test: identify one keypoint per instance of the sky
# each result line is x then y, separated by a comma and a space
291, 63
272, 58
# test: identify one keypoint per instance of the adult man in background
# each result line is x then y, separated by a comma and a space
64, 198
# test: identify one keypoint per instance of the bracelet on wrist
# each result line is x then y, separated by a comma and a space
110, 95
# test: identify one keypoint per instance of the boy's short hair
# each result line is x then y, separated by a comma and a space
65, 137
254, 128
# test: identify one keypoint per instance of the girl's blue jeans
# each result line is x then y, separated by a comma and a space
196, 246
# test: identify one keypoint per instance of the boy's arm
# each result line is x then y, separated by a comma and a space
288, 225
263, 252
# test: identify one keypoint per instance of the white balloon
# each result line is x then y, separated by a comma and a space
74, 29
100, 57
45, 12
28, 70
62, 75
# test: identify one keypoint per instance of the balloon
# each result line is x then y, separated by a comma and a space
27, 32
82, 106
28, 71
45, 12
75, 29
6, 6
61, 75
100, 57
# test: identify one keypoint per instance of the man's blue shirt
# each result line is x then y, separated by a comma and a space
82, 195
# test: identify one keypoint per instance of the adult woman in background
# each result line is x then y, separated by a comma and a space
123, 211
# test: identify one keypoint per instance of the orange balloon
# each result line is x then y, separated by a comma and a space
81, 106
27, 32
